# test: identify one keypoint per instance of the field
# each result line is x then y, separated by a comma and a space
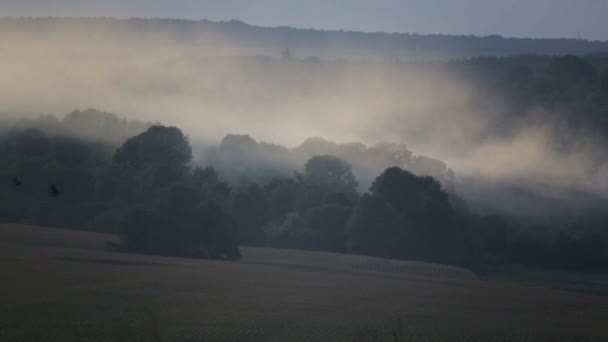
59, 285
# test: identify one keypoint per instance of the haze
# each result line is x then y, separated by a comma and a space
212, 84
514, 18
211, 90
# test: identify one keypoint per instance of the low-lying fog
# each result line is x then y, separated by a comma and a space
210, 89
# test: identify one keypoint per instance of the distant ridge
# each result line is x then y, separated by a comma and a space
243, 34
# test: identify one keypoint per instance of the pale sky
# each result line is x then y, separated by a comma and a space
511, 18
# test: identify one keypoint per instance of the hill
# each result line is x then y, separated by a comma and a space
309, 41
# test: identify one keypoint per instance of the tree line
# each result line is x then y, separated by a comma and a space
149, 193
142, 182
240, 33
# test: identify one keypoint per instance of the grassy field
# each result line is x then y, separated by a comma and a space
59, 285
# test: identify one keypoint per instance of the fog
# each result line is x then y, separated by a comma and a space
213, 87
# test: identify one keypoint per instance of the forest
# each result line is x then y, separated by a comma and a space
144, 181
506, 158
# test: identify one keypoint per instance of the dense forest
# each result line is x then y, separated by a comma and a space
92, 170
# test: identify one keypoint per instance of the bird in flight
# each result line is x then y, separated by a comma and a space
16, 181
54, 191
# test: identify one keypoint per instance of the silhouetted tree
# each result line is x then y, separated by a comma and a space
328, 175
248, 207
181, 222
330, 221
150, 161
158, 146
421, 199
377, 229
215, 189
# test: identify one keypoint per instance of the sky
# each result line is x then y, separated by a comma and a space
510, 18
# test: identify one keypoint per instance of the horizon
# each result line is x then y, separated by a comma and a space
225, 21
514, 19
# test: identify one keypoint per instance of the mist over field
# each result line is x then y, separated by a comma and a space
215, 85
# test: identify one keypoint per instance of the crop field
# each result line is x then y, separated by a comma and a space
61, 285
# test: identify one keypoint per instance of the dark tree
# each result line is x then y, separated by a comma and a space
331, 172
181, 223
248, 207
293, 232
406, 216
144, 231
158, 146
217, 233
421, 199
214, 189
149, 162
329, 220
325, 177
376, 229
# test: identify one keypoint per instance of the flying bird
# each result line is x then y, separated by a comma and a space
16, 181
54, 191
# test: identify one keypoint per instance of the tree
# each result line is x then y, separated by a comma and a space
180, 222
329, 220
28, 143
521, 76
281, 195
329, 171
376, 229
217, 232
151, 161
248, 207
144, 231
421, 199
158, 146
520, 88
215, 189
406, 216
571, 69
329, 175
293, 232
